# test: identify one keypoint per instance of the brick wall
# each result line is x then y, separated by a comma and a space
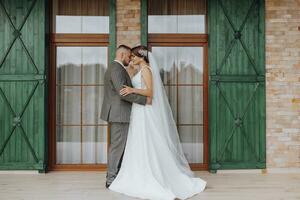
128, 22
283, 83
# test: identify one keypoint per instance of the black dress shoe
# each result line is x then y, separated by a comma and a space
107, 185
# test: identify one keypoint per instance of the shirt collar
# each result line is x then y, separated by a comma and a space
120, 63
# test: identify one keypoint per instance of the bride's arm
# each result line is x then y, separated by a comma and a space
147, 77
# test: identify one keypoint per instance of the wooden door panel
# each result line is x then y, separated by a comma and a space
237, 84
22, 84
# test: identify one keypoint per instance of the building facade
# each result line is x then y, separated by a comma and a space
231, 70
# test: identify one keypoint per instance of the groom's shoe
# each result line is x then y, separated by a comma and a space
107, 185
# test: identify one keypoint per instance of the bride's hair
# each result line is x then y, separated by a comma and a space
141, 51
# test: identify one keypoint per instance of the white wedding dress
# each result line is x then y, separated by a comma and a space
153, 165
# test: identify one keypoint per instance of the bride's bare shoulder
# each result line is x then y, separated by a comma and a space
146, 68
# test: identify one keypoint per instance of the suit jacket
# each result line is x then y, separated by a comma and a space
117, 108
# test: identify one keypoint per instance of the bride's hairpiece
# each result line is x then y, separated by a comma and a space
143, 52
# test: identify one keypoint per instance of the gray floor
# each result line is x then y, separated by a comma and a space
90, 186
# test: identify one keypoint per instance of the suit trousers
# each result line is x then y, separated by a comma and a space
118, 138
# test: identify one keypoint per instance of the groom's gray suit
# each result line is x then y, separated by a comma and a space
116, 109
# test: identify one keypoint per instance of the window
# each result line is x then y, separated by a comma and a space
178, 40
80, 51
79, 16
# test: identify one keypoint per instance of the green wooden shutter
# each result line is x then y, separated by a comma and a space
237, 84
22, 84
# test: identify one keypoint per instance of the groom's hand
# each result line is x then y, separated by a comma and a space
149, 101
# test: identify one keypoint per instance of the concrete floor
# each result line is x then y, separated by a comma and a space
90, 186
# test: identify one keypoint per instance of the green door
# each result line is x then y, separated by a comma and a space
237, 84
22, 84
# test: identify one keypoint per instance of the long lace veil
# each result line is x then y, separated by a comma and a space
164, 116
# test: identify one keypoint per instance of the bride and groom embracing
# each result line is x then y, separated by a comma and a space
145, 157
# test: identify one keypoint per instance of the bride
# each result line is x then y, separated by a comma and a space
153, 166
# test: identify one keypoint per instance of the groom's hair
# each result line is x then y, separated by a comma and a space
123, 47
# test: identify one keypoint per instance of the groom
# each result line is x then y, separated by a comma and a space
116, 109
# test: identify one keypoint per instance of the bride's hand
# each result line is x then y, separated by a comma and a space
126, 90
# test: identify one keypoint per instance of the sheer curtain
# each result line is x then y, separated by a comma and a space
81, 134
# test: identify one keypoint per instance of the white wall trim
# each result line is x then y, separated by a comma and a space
283, 170
19, 172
